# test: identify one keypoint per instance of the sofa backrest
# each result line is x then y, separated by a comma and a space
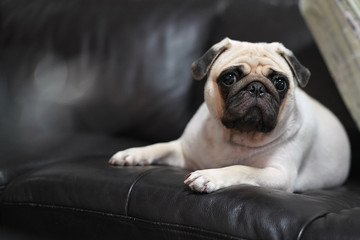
115, 67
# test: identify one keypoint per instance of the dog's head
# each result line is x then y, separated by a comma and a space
250, 86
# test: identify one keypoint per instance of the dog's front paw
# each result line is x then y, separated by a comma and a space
203, 181
131, 157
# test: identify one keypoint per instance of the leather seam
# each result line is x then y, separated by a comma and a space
308, 223
143, 174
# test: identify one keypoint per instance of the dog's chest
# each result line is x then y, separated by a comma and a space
213, 151
227, 154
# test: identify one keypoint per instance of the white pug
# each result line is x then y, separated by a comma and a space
256, 126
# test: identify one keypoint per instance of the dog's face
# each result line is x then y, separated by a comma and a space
250, 86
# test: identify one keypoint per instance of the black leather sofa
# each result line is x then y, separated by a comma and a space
82, 79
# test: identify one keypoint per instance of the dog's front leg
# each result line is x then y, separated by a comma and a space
169, 153
210, 180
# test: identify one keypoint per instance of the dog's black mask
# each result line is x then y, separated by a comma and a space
252, 102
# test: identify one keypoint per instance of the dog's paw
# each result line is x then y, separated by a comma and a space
203, 181
131, 157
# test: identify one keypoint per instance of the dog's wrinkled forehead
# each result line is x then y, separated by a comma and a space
254, 58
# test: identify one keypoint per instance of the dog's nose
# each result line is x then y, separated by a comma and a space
256, 89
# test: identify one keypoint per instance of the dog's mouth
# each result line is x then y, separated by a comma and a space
252, 109
253, 121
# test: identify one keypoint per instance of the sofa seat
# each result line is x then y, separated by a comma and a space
90, 199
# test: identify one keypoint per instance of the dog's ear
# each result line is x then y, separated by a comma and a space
301, 73
202, 66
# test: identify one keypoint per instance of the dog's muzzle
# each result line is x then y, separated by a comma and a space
253, 107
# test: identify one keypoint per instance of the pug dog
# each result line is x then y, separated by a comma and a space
256, 126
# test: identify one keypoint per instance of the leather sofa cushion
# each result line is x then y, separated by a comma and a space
92, 199
17, 159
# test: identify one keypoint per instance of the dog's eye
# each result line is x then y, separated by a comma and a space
280, 83
228, 79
